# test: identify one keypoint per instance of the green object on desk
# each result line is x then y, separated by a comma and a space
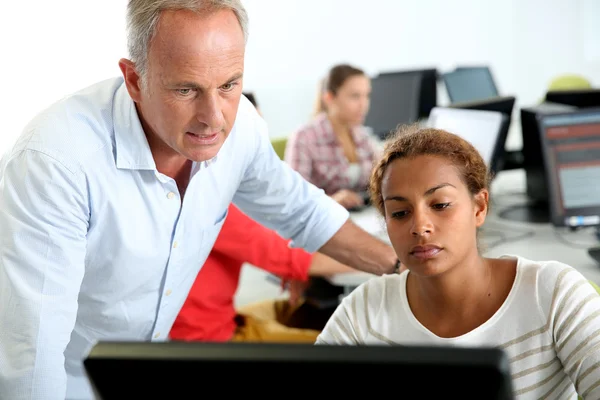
279, 146
569, 82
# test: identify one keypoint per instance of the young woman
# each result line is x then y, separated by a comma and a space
334, 151
432, 189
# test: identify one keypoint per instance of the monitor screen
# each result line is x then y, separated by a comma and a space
176, 369
481, 128
571, 152
470, 84
394, 101
428, 90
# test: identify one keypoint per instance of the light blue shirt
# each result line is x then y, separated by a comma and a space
96, 244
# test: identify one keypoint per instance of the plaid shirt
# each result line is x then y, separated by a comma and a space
316, 154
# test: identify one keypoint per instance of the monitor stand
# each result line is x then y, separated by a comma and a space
532, 212
594, 252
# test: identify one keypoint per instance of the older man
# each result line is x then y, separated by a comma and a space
112, 198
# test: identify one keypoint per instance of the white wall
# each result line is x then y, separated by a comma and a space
526, 43
51, 48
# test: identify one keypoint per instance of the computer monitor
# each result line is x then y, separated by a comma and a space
470, 84
178, 369
535, 209
503, 105
581, 98
571, 152
482, 129
401, 97
394, 101
428, 92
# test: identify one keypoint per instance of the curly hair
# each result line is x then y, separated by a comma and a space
410, 141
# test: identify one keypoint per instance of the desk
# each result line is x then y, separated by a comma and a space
500, 237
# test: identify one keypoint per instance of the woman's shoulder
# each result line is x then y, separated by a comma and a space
551, 278
312, 127
379, 290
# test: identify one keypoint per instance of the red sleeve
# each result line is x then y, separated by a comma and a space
246, 240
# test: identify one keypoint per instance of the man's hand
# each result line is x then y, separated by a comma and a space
296, 289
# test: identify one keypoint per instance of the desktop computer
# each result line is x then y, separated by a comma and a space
400, 97
126, 370
571, 152
503, 105
483, 129
470, 84
536, 208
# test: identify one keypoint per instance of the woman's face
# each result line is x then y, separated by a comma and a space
431, 216
351, 102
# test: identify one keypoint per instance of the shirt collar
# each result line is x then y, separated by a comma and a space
131, 145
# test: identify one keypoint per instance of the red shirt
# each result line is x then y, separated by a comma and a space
208, 312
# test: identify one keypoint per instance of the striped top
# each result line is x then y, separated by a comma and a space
549, 325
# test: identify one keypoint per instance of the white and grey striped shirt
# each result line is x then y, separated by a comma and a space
549, 326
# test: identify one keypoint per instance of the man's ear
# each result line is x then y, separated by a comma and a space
132, 79
480, 201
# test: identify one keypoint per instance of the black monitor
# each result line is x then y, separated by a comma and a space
581, 98
571, 152
535, 209
125, 370
504, 105
428, 91
470, 84
401, 97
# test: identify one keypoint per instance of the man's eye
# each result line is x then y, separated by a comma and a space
228, 87
184, 92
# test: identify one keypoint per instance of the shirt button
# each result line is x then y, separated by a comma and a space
170, 195
175, 244
157, 335
168, 292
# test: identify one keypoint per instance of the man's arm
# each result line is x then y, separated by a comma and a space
279, 198
43, 227
353, 246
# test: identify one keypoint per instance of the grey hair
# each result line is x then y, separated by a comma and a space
143, 16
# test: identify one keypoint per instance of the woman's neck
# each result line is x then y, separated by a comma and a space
339, 128
458, 290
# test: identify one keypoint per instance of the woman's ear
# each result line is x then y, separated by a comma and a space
480, 201
327, 98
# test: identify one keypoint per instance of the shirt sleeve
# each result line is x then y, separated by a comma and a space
245, 240
297, 155
575, 325
278, 197
43, 227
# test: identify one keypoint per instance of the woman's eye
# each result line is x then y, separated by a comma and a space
440, 206
398, 214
